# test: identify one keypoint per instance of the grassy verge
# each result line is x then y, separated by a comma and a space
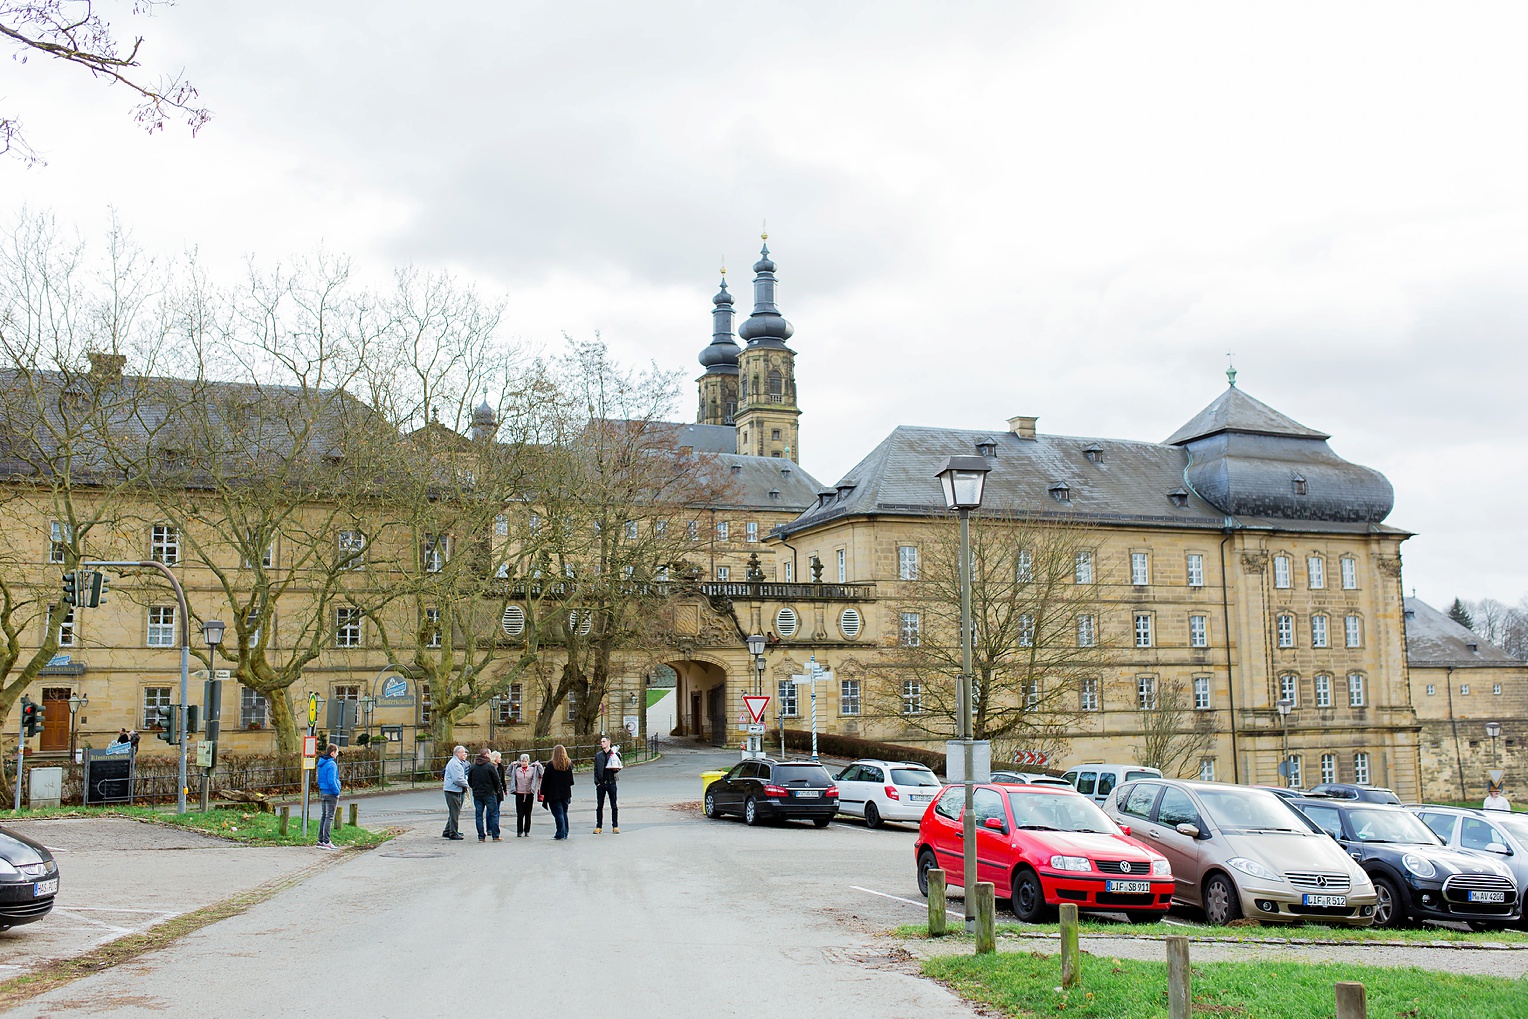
235, 825
1028, 984
1261, 933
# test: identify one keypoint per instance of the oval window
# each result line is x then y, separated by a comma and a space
785, 622
849, 622
513, 621
580, 621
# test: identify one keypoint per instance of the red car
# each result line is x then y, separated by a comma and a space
1042, 846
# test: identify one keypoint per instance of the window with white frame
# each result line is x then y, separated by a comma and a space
347, 627
1087, 635
1195, 570
570, 707
1496, 688
1206, 769
426, 704
1198, 631
512, 705
1296, 778
1353, 631
692, 530
1201, 693
164, 544
501, 525
843, 566
631, 530
432, 627
1349, 573
1318, 631
912, 697
1361, 767
1146, 693
1289, 689
1323, 691
59, 536
161, 626
254, 709
751, 530
437, 552
1281, 571
1026, 631
907, 562
787, 693
660, 528
1143, 629
848, 697
1140, 569
911, 633
723, 573
154, 698
1355, 689
1431, 689
723, 529
1464, 689
1089, 691
1024, 568
533, 523
352, 546
1083, 570
66, 629
252, 626
1328, 767
1315, 571
1286, 629
790, 572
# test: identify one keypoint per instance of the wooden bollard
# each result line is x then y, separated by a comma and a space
1352, 1002
355, 813
1071, 959
286, 819
938, 919
986, 917
1178, 977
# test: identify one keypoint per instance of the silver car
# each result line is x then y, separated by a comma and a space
1239, 852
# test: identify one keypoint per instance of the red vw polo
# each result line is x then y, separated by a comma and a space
1042, 846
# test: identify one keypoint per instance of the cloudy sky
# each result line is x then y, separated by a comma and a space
978, 210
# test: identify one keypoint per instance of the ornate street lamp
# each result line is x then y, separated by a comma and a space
76, 702
1285, 706
963, 478
756, 644
1493, 730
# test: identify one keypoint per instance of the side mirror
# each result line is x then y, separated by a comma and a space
1187, 829
995, 823
1497, 847
1124, 829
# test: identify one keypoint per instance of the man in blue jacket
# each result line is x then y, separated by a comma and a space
328, 793
455, 787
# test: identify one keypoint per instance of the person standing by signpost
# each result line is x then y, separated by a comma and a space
607, 768
525, 782
328, 794
455, 787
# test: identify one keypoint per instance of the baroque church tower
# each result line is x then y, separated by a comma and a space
768, 418
718, 386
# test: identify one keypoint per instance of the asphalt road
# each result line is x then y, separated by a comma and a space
676, 916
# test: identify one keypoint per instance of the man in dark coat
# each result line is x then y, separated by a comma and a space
483, 779
607, 767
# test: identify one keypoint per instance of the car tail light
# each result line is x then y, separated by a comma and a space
775, 790
892, 794
831, 791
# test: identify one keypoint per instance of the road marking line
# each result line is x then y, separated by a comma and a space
1175, 923
114, 909
105, 926
910, 902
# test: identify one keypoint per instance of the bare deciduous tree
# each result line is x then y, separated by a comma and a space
1173, 735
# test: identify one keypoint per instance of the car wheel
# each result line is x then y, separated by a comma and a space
1145, 915
926, 863
872, 816
1028, 899
821, 822
1389, 906
711, 809
751, 812
1222, 903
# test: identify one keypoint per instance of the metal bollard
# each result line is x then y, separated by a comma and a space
286, 818
986, 918
1179, 994
1352, 1001
355, 812
938, 919
1071, 959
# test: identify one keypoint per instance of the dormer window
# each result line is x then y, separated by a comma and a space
845, 488
774, 494
1060, 492
987, 447
1298, 484
1094, 453
1178, 497
737, 468
825, 496
785, 472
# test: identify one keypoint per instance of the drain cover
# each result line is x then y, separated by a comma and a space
417, 854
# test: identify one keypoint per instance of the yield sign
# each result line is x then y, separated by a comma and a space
756, 703
1495, 773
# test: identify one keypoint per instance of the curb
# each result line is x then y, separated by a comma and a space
1487, 946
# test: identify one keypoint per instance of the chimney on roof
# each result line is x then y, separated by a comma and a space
106, 367
1023, 427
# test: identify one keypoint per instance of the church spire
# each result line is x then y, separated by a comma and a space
766, 325
720, 358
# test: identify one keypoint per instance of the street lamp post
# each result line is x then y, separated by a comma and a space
963, 478
212, 633
76, 702
1493, 730
1285, 705
756, 645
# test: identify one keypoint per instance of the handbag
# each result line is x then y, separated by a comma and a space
613, 760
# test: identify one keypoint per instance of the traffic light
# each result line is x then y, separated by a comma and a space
193, 716
71, 588
95, 589
31, 719
167, 717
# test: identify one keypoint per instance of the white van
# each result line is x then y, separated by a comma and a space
1098, 780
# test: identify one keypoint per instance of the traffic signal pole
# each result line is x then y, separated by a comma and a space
21, 752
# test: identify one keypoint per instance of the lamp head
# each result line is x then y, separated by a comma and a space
1493, 729
963, 478
212, 631
756, 644
1285, 704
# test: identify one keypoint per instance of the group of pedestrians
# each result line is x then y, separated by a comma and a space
529, 782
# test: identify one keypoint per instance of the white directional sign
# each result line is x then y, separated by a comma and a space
756, 730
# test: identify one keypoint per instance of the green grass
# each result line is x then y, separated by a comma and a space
236, 825
1265, 932
1027, 984
654, 696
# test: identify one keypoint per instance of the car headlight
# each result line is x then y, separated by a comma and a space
1418, 866
1252, 867
1161, 868
1070, 863
6, 870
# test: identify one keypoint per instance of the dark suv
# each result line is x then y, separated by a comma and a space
1349, 791
1416, 877
763, 789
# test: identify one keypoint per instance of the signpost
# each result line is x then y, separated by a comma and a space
755, 703
1033, 758
815, 674
309, 755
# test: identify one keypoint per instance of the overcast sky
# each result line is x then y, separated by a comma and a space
978, 210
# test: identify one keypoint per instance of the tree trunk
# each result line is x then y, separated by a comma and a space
285, 723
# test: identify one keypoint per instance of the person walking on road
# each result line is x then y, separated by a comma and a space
483, 777
557, 788
328, 793
455, 786
525, 782
607, 768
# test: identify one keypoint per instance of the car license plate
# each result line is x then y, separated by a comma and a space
1324, 900
809, 794
920, 799
1488, 896
50, 887
1128, 887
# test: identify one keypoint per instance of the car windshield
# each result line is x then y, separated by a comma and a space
801, 774
1371, 825
1248, 810
913, 776
1059, 811
1517, 827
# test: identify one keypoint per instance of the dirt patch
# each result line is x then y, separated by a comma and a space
689, 807
82, 834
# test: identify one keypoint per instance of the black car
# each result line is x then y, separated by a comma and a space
1349, 791
761, 789
1416, 877
28, 880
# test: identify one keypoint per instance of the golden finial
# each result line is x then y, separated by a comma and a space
724, 265
764, 231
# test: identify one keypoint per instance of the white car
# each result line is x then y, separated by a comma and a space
886, 791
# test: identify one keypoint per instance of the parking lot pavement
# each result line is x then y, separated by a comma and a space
119, 876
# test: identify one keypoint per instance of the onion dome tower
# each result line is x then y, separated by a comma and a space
485, 421
768, 418
718, 385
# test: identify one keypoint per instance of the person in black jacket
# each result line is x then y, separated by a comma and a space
483, 780
607, 768
557, 788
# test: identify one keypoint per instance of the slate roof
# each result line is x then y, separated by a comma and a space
1433, 640
1235, 411
707, 438
754, 478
